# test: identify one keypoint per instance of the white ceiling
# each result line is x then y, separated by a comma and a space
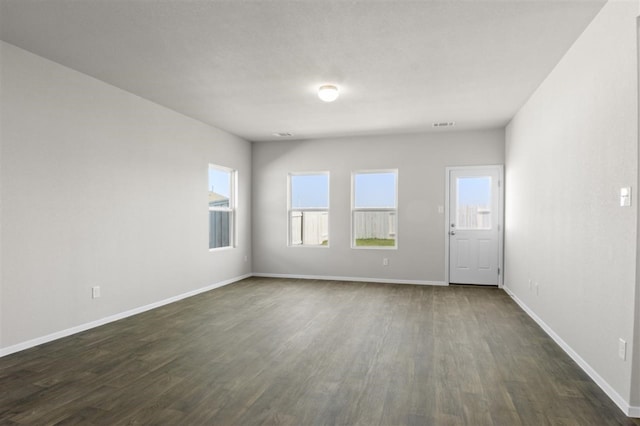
252, 67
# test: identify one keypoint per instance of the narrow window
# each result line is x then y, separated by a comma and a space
222, 184
309, 209
374, 209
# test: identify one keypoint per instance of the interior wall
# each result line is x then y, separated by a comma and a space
103, 188
569, 150
420, 159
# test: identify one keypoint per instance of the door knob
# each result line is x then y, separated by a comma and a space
452, 232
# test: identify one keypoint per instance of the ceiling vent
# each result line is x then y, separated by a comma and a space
445, 124
283, 135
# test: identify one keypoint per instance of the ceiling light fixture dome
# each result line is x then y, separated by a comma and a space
328, 92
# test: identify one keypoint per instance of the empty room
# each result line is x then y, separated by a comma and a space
319, 212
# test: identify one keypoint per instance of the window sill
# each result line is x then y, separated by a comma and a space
221, 248
374, 248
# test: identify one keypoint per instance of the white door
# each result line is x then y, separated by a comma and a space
474, 225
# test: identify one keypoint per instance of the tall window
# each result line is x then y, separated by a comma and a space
222, 183
374, 209
309, 209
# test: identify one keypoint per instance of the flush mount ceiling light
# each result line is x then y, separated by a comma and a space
328, 92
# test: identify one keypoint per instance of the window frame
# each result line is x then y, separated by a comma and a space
231, 209
290, 208
355, 209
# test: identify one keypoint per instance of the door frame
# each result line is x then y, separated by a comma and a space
447, 219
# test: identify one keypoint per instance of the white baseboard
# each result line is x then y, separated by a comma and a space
358, 279
629, 410
111, 318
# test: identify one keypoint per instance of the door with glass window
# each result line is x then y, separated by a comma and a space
474, 225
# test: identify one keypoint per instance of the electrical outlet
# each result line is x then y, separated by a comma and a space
385, 261
246, 258
536, 287
622, 349
530, 285
95, 292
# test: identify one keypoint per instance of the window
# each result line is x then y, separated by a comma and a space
473, 204
374, 209
309, 209
222, 184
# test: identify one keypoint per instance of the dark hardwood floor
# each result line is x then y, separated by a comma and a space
271, 351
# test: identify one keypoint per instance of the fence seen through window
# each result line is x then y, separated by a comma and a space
375, 211
473, 204
309, 209
221, 206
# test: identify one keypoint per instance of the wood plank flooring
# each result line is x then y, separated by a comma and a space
272, 351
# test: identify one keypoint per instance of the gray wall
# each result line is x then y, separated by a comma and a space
569, 150
420, 159
103, 188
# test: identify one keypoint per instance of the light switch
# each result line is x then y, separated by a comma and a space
625, 197
622, 349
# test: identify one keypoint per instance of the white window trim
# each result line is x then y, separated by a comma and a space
354, 210
308, 209
232, 206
